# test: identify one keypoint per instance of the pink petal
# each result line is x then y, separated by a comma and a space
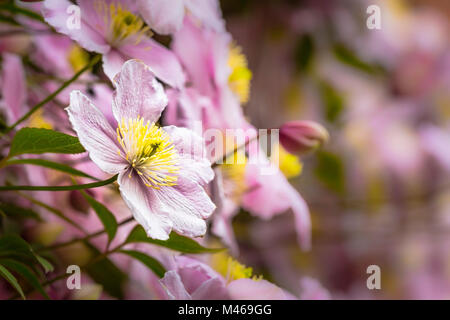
192, 153
196, 49
138, 93
163, 16
146, 207
161, 61
95, 133
313, 290
113, 62
247, 289
272, 194
13, 88
213, 289
174, 286
208, 12
89, 34
187, 205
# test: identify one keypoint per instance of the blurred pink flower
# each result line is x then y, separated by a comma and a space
110, 27
161, 170
195, 280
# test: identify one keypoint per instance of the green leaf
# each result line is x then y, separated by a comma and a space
106, 217
12, 280
13, 211
26, 273
348, 57
150, 262
332, 100
304, 52
12, 245
175, 242
52, 165
106, 273
330, 171
38, 141
48, 267
61, 188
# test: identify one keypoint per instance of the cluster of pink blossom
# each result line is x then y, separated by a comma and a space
103, 166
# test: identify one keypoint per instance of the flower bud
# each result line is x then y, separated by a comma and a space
299, 137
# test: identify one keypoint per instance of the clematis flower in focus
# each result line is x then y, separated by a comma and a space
112, 28
166, 16
161, 171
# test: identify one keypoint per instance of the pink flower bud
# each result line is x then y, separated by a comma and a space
299, 137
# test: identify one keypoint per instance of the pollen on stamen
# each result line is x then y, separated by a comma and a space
149, 151
121, 23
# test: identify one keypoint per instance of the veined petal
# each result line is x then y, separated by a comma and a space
138, 93
187, 204
146, 207
161, 61
191, 151
59, 15
95, 133
163, 16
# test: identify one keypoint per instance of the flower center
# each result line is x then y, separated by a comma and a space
121, 24
239, 79
149, 151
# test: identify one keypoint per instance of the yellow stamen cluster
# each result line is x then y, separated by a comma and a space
149, 151
232, 269
122, 24
239, 79
289, 164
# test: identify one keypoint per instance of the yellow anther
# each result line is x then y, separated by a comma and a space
149, 151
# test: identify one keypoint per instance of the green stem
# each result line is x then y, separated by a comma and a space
52, 210
88, 237
93, 62
61, 188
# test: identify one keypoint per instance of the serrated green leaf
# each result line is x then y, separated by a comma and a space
106, 217
38, 141
26, 273
13, 211
51, 165
148, 261
12, 280
175, 242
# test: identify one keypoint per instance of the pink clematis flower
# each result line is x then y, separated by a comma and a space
194, 280
166, 16
211, 99
161, 171
112, 28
